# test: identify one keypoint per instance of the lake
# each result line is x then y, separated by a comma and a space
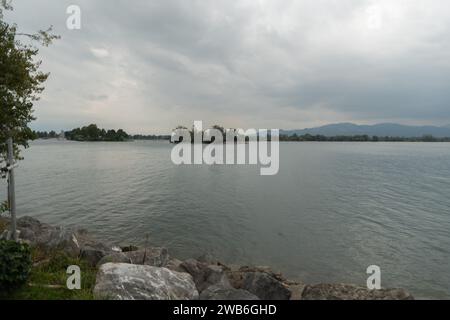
332, 210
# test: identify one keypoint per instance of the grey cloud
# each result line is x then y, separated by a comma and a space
243, 63
98, 97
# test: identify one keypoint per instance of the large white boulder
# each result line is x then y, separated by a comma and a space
123, 281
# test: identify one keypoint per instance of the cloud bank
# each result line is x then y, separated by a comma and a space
147, 66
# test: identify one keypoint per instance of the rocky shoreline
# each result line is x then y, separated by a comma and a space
133, 273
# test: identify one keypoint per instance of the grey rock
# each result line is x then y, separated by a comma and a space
265, 286
264, 269
117, 257
236, 274
48, 237
92, 256
208, 259
175, 265
296, 290
220, 292
204, 275
158, 257
122, 281
74, 242
91, 250
351, 292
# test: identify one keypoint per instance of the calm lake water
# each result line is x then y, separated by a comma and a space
332, 210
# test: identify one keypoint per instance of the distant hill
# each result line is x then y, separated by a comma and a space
381, 130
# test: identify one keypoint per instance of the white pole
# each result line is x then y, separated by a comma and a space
11, 189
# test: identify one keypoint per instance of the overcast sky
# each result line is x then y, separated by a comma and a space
147, 66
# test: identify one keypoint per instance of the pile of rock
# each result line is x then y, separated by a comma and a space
150, 273
74, 242
159, 277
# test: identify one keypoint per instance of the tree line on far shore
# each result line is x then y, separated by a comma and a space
361, 138
46, 135
339, 138
93, 133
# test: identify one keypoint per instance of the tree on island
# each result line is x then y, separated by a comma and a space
94, 133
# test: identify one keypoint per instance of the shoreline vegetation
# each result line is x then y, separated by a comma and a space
359, 138
147, 273
93, 133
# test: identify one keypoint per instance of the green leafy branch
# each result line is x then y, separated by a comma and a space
4, 206
21, 82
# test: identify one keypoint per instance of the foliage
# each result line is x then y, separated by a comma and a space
47, 280
318, 137
45, 134
21, 81
93, 133
15, 263
4, 207
72, 135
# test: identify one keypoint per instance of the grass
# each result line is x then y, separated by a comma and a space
47, 280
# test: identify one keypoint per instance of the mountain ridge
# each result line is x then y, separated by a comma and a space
380, 129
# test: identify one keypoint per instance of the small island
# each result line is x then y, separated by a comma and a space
94, 133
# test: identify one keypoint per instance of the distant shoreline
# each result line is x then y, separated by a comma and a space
93, 133
331, 139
